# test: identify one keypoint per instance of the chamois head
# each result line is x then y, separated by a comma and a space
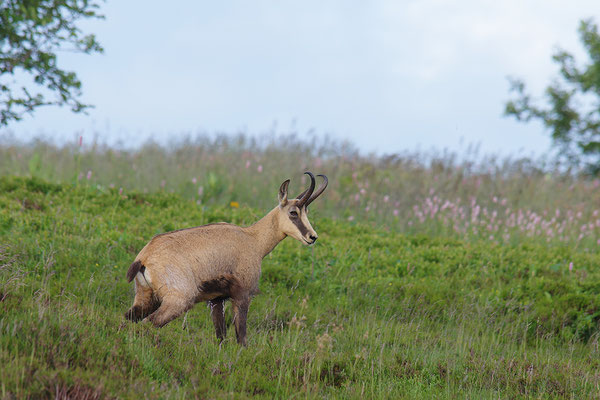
293, 213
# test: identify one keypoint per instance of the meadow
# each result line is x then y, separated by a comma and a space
435, 276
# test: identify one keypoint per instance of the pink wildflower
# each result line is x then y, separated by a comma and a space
571, 266
259, 168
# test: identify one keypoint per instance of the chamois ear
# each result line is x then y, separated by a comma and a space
283, 193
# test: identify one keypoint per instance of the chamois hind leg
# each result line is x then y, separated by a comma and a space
240, 314
144, 304
217, 312
171, 307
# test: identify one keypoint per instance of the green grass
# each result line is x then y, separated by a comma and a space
365, 313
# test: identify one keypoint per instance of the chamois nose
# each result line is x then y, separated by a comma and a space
313, 238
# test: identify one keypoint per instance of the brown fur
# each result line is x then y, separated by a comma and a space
217, 312
225, 286
211, 263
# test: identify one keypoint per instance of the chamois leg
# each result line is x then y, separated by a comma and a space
144, 304
171, 307
217, 312
240, 313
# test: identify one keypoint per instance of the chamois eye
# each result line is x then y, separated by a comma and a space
293, 213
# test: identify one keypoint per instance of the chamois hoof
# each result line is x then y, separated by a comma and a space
134, 314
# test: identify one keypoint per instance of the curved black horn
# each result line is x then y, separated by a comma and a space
319, 190
308, 192
301, 194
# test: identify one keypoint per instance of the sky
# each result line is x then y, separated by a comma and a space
389, 76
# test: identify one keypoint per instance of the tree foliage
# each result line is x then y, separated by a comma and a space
32, 32
572, 109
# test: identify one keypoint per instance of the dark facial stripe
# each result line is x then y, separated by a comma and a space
298, 222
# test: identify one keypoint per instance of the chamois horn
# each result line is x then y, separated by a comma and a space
304, 196
319, 190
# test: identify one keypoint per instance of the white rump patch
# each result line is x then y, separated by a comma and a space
143, 279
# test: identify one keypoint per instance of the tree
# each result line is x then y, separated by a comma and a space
572, 112
31, 34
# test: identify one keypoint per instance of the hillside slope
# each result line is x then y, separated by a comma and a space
363, 313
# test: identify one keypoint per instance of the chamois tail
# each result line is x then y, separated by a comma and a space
134, 269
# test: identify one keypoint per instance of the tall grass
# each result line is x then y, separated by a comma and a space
470, 196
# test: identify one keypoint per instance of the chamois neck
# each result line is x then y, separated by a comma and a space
266, 232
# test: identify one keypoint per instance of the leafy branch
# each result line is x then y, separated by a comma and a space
31, 34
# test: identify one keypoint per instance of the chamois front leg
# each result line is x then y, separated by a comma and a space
217, 312
240, 314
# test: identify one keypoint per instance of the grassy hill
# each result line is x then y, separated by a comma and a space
465, 196
367, 312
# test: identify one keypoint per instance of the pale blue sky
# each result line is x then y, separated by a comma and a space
387, 75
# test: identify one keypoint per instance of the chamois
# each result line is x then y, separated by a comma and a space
215, 262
